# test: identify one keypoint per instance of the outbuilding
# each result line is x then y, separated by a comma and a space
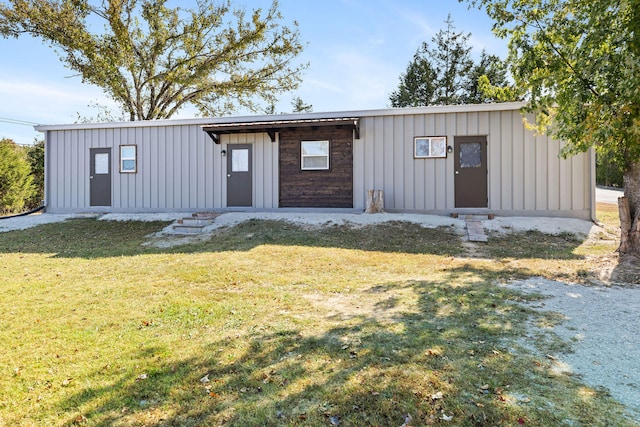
438, 160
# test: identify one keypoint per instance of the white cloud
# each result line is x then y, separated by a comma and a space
45, 101
350, 79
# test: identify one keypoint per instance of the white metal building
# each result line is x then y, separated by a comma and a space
446, 159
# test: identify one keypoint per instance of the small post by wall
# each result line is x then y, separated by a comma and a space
375, 201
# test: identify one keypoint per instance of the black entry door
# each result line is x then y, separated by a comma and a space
239, 175
100, 177
470, 156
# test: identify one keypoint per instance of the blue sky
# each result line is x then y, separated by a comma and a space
357, 50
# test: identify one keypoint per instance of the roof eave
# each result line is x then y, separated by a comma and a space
440, 109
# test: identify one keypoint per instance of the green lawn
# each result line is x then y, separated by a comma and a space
269, 323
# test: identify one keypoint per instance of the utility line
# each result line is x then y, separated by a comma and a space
17, 122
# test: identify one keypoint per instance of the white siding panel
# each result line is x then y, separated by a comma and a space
261, 164
150, 163
579, 197
506, 161
439, 181
191, 164
161, 171
370, 155
136, 197
530, 171
431, 175
358, 166
201, 187
494, 161
420, 168
143, 172
565, 197
389, 161
378, 155
83, 176
73, 172
440, 176
56, 192
210, 167
554, 184
408, 185
517, 164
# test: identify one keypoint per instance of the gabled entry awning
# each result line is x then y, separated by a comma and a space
271, 127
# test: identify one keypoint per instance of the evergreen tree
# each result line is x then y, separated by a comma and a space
445, 73
16, 182
299, 106
491, 68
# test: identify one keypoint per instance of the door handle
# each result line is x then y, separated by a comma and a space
91, 177
228, 175
457, 172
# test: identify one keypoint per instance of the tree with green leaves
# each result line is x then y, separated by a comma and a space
491, 70
445, 73
153, 59
299, 106
578, 63
35, 157
16, 182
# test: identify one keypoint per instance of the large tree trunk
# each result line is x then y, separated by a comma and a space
629, 208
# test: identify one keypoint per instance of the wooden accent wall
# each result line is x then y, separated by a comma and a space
331, 188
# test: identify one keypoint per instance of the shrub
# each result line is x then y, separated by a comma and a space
16, 182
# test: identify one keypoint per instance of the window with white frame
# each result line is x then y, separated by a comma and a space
426, 147
315, 155
128, 159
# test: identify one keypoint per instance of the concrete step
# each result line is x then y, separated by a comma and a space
195, 223
210, 215
187, 229
192, 221
475, 231
478, 217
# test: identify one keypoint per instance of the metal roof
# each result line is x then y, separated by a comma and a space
272, 126
438, 109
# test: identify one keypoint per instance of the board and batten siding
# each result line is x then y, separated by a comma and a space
526, 176
179, 168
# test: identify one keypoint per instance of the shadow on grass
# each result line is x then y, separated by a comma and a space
90, 238
451, 358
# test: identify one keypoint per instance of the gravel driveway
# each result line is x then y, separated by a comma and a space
603, 326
